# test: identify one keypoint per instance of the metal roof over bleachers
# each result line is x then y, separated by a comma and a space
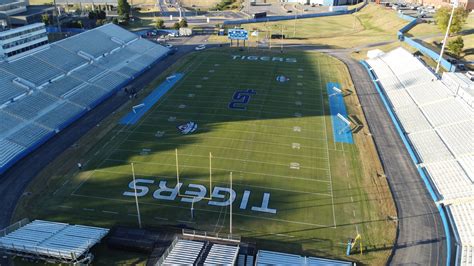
51, 240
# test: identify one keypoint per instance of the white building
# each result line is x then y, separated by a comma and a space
22, 40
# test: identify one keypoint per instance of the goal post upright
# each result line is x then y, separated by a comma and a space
210, 175
178, 180
177, 166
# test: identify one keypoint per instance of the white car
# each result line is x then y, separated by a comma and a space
200, 47
470, 75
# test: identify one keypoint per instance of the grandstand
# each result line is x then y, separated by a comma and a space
44, 92
437, 118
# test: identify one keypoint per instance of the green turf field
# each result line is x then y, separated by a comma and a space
280, 146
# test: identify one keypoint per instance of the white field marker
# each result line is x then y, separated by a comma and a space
295, 166
171, 118
295, 146
297, 129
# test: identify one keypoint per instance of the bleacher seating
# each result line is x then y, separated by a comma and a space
28, 135
459, 137
438, 121
60, 58
8, 90
185, 252
30, 107
9, 122
87, 96
450, 179
110, 80
88, 72
62, 86
9, 151
222, 255
412, 119
54, 86
32, 69
446, 112
76, 43
59, 116
430, 147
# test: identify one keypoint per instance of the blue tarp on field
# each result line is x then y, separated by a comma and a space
341, 131
133, 117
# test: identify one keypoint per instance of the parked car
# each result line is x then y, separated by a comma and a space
200, 47
470, 75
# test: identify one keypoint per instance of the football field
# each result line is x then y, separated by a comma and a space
265, 118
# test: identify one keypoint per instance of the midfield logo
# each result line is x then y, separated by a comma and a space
240, 99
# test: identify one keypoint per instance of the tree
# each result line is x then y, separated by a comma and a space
176, 26
123, 9
160, 24
46, 19
183, 23
456, 45
459, 18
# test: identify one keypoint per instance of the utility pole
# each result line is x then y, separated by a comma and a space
455, 4
294, 26
136, 198
281, 39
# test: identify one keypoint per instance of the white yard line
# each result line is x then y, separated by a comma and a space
329, 161
232, 149
240, 131
224, 138
236, 183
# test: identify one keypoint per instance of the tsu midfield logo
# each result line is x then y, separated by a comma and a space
241, 99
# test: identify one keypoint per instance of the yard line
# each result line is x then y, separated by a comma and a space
282, 104
241, 184
284, 114
246, 160
204, 210
233, 149
240, 131
327, 146
224, 138
240, 123
110, 212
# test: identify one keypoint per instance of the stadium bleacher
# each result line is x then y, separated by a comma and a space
438, 121
44, 92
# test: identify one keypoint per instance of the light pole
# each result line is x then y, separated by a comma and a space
455, 4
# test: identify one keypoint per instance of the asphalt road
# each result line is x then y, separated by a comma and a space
421, 238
